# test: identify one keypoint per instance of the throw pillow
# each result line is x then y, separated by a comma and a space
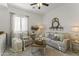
51, 36
61, 35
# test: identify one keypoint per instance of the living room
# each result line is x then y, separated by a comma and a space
53, 26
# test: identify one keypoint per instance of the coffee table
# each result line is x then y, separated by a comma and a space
38, 46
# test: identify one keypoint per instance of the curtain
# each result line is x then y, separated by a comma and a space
19, 25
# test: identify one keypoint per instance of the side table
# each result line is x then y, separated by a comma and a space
75, 45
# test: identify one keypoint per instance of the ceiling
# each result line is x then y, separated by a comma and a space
43, 10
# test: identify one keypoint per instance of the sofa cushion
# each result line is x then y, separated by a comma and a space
57, 36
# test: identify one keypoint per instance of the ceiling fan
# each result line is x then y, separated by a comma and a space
39, 5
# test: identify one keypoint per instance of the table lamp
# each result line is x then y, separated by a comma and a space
75, 29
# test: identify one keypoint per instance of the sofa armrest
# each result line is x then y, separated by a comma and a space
63, 45
65, 40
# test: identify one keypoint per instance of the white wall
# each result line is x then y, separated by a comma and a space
33, 17
68, 15
5, 18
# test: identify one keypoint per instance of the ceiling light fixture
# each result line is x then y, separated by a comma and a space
39, 5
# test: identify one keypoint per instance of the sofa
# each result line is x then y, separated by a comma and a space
61, 44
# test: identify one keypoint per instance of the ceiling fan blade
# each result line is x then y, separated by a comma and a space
45, 4
38, 7
33, 4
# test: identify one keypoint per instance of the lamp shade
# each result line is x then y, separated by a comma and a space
41, 28
34, 27
75, 28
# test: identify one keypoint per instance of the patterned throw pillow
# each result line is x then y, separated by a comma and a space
51, 36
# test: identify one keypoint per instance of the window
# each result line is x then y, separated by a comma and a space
20, 24
24, 24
